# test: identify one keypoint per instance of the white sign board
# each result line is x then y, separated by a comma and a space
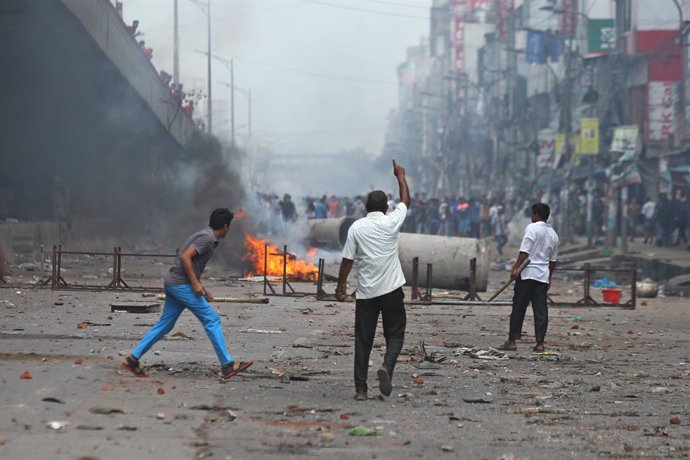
547, 146
663, 101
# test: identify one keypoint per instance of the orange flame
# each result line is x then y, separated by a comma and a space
255, 254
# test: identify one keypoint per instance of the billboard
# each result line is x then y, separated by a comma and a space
546, 140
662, 99
589, 136
601, 36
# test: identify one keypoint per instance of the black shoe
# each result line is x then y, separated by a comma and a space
385, 385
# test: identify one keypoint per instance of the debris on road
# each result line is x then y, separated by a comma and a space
362, 431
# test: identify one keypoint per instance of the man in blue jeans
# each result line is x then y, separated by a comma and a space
183, 289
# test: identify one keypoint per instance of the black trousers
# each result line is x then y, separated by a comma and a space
392, 310
527, 291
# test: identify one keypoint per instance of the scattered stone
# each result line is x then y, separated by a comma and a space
26, 375
57, 425
83, 325
327, 437
105, 411
447, 448
79, 361
160, 416
53, 400
675, 421
478, 400
160, 391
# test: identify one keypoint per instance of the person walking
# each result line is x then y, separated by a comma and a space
501, 230
373, 243
184, 290
649, 211
540, 245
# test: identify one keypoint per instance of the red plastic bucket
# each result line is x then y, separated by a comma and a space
611, 295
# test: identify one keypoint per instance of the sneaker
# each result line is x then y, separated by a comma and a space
385, 385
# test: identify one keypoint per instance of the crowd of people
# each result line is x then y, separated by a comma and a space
661, 222
450, 216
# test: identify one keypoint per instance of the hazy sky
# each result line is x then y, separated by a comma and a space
293, 111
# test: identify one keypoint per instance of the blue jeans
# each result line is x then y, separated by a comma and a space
177, 298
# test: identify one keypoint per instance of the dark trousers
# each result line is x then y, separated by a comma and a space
527, 291
392, 310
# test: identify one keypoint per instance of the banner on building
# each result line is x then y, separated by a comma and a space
542, 46
662, 98
630, 175
601, 36
589, 136
570, 17
546, 140
535, 51
504, 11
459, 9
561, 148
626, 140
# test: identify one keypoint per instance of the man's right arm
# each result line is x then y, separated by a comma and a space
186, 262
399, 173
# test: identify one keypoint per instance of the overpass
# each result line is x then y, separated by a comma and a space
85, 118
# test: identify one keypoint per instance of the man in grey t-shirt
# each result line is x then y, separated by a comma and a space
183, 289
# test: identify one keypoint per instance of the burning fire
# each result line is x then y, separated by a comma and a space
294, 269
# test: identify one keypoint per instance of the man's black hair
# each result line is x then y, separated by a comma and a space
220, 217
377, 201
542, 210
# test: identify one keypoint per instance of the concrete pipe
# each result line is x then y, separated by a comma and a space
330, 233
450, 259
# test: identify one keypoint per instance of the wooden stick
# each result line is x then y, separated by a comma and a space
510, 281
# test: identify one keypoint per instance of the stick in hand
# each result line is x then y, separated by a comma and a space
510, 281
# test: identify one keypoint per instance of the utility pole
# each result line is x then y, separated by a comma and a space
567, 120
210, 86
176, 48
249, 122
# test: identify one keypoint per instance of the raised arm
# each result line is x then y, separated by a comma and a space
399, 173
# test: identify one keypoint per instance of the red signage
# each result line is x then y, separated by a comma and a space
570, 16
504, 9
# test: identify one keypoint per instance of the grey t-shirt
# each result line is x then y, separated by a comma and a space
204, 241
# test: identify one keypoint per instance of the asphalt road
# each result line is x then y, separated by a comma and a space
614, 387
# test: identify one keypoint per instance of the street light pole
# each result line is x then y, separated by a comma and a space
232, 102
176, 47
210, 86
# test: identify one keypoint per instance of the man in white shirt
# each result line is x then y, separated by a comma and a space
649, 211
373, 242
540, 245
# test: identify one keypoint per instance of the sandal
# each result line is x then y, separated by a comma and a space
132, 365
508, 347
230, 370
